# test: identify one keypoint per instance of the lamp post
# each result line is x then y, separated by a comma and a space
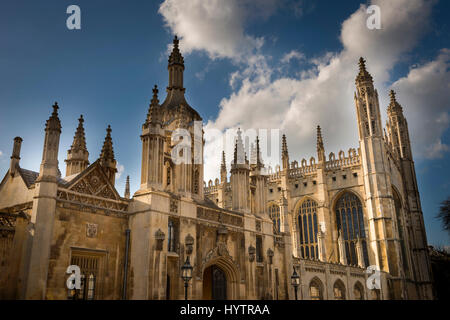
186, 274
295, 281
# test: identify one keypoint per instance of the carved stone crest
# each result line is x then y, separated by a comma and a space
91, 230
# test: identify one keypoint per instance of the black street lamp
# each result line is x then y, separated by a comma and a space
186, 274
295, 281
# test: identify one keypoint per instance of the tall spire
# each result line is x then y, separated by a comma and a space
319, 139
49, 165
43, 212
239, 155
79, 140
363, 75
176, 57
320, 146
223, 169
78, 155
176, 67
284, 153
53, 123
127, 188
107, 153
367, 104
394, 106
107, 156
259, 163
153, 114
284, 148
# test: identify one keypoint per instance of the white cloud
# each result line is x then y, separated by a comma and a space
214, 26
293, 54
1, 153
425, 95
120, 170
322, 94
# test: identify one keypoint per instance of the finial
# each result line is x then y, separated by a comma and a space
155, 100
392, 95
127, 188
394, 106
55, 108
363, 75
79, 140
319, 137
284, 147
107, 153
258, 153
362, 63
223, 159
175, 41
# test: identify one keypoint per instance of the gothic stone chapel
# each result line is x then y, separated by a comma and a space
329, 218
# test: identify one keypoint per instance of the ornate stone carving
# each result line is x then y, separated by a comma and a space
279, 242
219, 251
91, 230
159, 237
258, 225
270, 255
219, 216
251, 253
173, 205
189, 242
94, 184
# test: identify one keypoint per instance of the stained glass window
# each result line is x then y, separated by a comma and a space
350, 224
307, 229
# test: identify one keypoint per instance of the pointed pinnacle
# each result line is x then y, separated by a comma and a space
127, 188
79, 140
363, 74
394, 106
319, 138
258, 158
55, 108
155, 100
362, 64
392, 95
53, 122
107, 149
175, 56
223, 165
284, 148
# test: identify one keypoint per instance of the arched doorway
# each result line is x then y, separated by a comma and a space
214, 284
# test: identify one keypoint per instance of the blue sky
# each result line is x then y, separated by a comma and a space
286, 64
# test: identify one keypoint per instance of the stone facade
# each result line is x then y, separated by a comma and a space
328, 219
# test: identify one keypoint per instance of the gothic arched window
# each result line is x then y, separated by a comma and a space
307, 229
350, 224
316, 289
339, 290
358, 291
274, 213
